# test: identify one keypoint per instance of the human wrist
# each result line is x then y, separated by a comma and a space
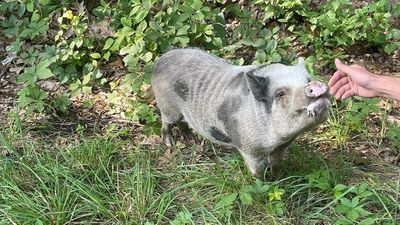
386, 86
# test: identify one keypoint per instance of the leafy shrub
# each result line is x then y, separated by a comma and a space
56, 41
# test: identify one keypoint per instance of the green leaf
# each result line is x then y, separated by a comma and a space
28, 76
108, 43
130, 61
274, 58
137, 83
245, 195
183, 40
29, 6
338, 190
21, 10
346, 202
183, 30
86, 78
342, 209
365, 194
86, 89
25, 33
44, 74
62, 103
42, 65
141, 15
23, 98
147, 57
182, 218
126, 22
355, 201
261, 188
74, 86
225, 201
95, 55
260, 56
275, 29
107, 55
362, 211
271, 46
340, 187
344, 221
352, 215
367, 221
279, 210
38, 222
142, 26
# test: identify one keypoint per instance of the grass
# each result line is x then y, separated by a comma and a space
107, 180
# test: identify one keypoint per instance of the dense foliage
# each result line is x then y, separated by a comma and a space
72, 42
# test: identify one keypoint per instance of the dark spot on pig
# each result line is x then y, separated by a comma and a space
182, 89
219, 135
239, 83
234, 132
259, 86
229, 106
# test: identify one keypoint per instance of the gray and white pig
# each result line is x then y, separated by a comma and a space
258, 109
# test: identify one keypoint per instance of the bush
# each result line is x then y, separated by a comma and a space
71, 45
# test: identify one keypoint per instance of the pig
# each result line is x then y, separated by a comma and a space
257, 109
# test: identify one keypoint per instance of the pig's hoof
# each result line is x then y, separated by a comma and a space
168, 141
185, 132
188, 136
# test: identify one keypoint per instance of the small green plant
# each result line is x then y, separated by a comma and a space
352, 208
182, 218
268, 194
32, 97
393, 134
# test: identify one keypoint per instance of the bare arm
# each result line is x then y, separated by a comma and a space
386, 86
354, 80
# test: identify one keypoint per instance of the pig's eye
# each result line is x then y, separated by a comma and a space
280, 93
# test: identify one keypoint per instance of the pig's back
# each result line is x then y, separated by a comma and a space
193, 82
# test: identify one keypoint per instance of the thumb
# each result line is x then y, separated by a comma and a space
344, 68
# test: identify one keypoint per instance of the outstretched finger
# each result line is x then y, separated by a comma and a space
348, 94
349, 70
336, 76
333, 89
342, 90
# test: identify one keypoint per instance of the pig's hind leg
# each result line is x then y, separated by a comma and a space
166, 134
169, 117
185, 131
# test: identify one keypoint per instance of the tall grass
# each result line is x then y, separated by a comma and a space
106, 180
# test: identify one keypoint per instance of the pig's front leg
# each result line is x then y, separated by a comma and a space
265, 167
276, 157
275, 162
257, 164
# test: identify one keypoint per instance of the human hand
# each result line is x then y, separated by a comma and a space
351, 80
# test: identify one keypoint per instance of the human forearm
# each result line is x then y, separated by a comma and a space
387, 86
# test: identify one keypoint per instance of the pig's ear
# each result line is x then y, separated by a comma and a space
259, 86
301, 62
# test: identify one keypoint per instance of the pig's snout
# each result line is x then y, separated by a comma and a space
314, 89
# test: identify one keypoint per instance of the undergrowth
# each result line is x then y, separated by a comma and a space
107, 180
